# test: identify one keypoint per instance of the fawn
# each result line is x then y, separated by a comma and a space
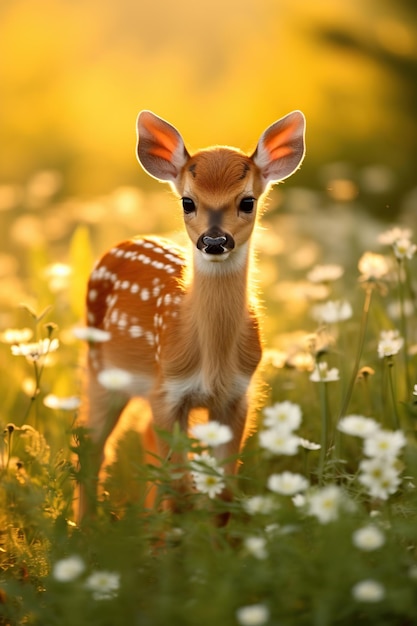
187, 333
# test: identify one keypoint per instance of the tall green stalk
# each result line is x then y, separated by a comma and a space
403, 322
362, 334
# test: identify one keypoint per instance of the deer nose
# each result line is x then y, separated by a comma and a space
214, 241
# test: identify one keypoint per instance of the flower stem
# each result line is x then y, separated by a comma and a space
324, 428
403, 321
396, 419
362, 334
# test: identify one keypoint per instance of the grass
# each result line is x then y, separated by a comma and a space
291, 553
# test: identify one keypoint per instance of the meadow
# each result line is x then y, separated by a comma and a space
322, 528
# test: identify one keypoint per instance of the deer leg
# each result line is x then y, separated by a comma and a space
99, 416
233, 415
165, 418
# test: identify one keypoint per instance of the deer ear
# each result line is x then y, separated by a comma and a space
280, 150
160, 147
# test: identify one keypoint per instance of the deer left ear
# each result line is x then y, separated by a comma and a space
280, 150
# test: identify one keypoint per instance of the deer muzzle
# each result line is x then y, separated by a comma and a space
215, 241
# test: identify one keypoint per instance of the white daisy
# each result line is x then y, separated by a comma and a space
256, 546
368, 538
91, 334
212, 433
324, 504
358, 426
69, 403
283, 415
379, 476
372, 266
368, 591
325, 273
68, 569
384, 443
114, 379
322, 373
332, 311
390, 343
287, 483
262, 505
34, 351
279, 442
252, 615
104, 585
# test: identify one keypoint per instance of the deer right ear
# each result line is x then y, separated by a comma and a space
160, 147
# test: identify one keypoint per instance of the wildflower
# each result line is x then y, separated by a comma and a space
208, 477
114, 379
287, 483
104, 585
319, 342
252, 615
358, 426
203, 461
325, 503
365, 372
332, 311
256, 546
68, 569
308, 445
213, 433
283, 415
384, 443
325, 273
16, 335
57, 275
368, 538
210, 484
380, 477
372, 266
390, 343
299, 500
302, 362
262, 505
322, 373
64, 404
368, 591
404, 249
275, 358
91, 334
278, 441
34, 351
389, 237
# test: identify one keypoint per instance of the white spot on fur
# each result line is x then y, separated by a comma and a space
92, 295
135, 332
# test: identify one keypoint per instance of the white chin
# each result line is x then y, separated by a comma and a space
215, 258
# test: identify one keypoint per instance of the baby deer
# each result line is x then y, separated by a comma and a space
187, 334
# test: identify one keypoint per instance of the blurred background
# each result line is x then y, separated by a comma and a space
75, 73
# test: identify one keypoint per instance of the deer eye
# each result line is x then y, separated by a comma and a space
247, 205
188, 205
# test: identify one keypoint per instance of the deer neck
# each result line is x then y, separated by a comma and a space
217, 301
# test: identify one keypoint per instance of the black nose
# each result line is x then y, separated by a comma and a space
214, 241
